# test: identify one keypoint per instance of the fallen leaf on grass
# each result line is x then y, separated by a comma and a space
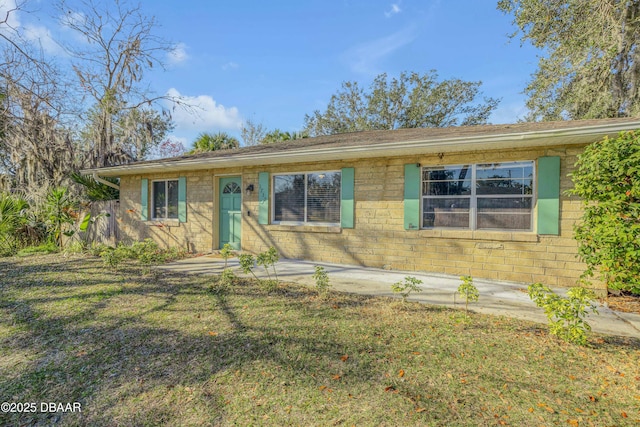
624, 414
213, 334
345, 358
389, 388
573, 423
530, 409
401, 373
421, 409
322, 387
336, 377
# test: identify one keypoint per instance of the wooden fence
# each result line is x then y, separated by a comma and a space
105, 228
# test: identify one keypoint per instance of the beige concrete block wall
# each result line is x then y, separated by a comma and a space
378, 239
194, 235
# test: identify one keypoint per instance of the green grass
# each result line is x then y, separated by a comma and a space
161, 349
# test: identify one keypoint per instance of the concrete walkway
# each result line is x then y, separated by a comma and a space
496, 298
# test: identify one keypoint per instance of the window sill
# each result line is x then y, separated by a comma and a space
305, 228
502, 236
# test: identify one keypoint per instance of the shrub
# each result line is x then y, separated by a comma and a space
607, 178
404, 288
12, 218
266, 259
146, 252
469, 291
566, 315
224, 283
44, 248
247, 262
113, 257
322, 282
226, 252
60, 207
96, 249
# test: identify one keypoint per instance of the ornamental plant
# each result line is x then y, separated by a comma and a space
404, 288
566, 315
607, 179
266, 259
226, 252
322, 281
469, 291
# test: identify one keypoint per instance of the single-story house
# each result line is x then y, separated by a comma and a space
487, 201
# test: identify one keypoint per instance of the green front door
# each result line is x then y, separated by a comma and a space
230, 211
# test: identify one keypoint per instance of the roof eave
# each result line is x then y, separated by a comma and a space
570, 136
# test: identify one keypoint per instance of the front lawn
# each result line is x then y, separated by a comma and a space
161, 349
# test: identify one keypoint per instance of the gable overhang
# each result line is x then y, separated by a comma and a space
305, 154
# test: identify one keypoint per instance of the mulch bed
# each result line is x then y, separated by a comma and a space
624, 302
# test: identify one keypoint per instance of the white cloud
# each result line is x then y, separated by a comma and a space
395, 9
203, 115
42, 37
364, 58
178, 54
8, 14
230, 65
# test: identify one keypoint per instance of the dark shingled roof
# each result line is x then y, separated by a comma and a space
373, 138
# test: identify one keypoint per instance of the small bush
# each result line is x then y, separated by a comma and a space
322, 282
113, 257
607, 179
96, 249
247, 263
469, 291
265, 259
269, 285
45, 248
566, 315
404, 288
224, 283
226, 252
146, 252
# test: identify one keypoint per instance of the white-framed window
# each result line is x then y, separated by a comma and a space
307, 198
164, 196
488, 196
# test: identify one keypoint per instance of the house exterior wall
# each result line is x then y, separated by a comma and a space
378, 238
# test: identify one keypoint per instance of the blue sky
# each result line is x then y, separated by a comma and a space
275, 61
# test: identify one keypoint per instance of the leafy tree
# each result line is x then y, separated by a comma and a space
60, 207
277, 135
412, 100
252, 133
95, 190
120, 46
590, 67
96, 114
12, 219
213, 142
607, 179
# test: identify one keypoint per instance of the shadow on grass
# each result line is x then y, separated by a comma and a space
102, 346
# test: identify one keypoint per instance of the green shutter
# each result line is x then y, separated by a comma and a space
346, 198
549, 195
263, 198
411, 196
182, 199
144, 199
